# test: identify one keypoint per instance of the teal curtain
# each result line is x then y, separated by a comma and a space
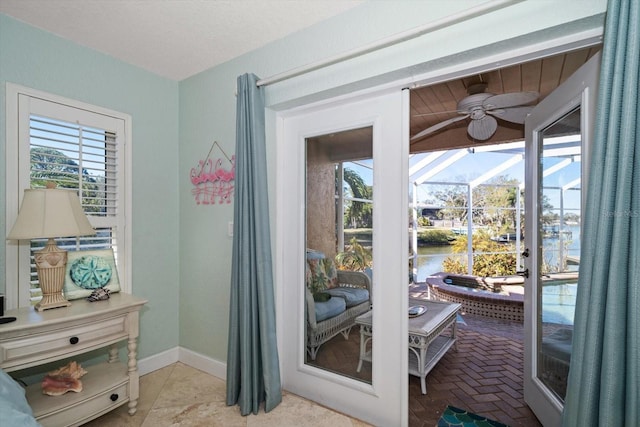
604, 378
253, 373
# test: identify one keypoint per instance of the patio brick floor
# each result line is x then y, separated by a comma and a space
483, 376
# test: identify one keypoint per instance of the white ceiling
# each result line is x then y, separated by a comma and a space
174, 38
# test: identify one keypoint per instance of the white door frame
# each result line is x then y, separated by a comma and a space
383, 401
282, 265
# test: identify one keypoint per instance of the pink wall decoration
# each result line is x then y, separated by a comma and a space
213, 181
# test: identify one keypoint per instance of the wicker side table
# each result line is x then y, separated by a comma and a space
428, 340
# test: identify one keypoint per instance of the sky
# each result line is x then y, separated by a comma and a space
475, 163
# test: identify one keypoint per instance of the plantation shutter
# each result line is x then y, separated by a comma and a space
81, 157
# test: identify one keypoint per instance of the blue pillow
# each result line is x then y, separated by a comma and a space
13, 404
369, 272
352, 296
313, 254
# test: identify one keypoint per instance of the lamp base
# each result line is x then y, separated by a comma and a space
51, 301
51, 263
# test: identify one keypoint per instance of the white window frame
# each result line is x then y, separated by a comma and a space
21, 102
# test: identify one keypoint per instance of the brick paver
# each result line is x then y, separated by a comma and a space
490, 356
484, 376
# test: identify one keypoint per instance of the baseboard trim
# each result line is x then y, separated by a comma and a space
158, 361
183, 355
202, 362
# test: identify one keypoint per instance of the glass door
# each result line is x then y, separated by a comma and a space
342, 181
339, 248
558, 135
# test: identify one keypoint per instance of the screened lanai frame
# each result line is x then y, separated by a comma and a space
468, 228
427, 165
431, 164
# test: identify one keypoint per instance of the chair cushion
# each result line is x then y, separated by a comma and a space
352, 296
328, 309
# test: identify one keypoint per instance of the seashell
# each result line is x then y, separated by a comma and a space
58, 386
100, 294
64, 379
71, 369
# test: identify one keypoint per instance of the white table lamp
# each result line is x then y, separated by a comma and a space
50, 213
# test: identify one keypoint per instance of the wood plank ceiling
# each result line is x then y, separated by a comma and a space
436, 103
433, 104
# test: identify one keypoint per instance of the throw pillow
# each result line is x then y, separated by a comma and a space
319, 278
307, 275
331, 272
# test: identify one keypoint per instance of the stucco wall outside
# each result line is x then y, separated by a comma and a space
321, 206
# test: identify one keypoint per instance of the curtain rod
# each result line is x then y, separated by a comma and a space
391, 40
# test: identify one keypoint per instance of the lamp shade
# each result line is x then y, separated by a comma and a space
50, 213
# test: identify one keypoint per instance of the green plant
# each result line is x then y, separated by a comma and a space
492, 259
356, 257
423, 221
435, 237
357, 213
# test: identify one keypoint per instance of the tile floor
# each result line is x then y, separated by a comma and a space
483, 376
179, 395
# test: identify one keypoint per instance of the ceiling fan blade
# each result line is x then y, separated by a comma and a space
483, 128
513, 114
506, 100
438, 126
434, 113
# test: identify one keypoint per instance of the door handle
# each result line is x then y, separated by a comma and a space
526, 253
524, 273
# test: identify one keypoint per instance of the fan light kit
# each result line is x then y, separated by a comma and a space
482, 108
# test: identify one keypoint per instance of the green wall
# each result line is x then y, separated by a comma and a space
42, 61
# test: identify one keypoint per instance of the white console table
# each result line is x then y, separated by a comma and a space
36, 338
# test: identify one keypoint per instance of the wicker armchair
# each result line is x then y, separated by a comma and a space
319, 332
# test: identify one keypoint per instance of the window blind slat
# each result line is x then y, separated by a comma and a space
75, 156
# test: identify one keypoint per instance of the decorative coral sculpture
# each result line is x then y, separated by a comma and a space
64, 379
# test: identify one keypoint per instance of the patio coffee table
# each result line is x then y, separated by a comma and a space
427, 343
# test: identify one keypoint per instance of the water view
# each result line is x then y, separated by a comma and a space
430, 258
559, 303
558, 300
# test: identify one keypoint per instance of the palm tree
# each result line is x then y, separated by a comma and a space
48, 164
51, 165
358, 213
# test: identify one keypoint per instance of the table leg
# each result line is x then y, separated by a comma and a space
421, 368
113, 354
362, 348
454, 329
134, 389
365, 341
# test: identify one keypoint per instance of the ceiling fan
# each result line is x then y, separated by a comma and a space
482, 107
